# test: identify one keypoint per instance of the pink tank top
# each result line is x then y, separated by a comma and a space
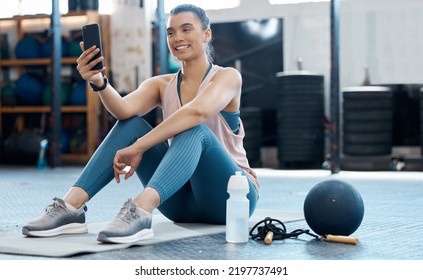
232, 142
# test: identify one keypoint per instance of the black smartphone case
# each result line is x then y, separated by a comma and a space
91, 36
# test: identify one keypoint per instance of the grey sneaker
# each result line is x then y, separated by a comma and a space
57, 220
130, 225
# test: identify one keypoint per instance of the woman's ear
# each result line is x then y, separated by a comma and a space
207, 35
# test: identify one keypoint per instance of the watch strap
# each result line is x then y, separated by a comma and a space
96, 88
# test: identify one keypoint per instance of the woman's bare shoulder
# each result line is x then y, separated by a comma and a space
231, 71
228, 75
160, 80
156, 83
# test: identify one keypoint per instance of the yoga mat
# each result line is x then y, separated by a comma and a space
164, 230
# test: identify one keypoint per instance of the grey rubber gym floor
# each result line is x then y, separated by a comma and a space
391, 227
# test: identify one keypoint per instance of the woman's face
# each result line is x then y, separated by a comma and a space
186, 38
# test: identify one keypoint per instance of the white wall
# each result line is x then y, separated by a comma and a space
131, 53
385, 34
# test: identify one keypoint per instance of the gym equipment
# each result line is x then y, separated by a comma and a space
23, 147
300, 115
46, 48
4, 47
89, 5
333, 207
367, 120
65, 138
79, 5
29, 89
74, 39
74, 121
8, 97
78, 95
271, 229
78, 142
47, 93
74, 48
28, 47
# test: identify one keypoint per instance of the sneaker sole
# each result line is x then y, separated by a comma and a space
141, 235
74, 228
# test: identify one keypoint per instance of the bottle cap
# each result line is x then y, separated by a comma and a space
238, 182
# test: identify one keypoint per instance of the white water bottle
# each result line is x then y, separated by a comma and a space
237, 209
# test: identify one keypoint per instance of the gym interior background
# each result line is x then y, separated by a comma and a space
281, 48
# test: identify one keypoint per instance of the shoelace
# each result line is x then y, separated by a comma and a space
128, 212
55, 205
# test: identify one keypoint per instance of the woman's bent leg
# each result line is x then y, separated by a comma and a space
99, 170
192, 178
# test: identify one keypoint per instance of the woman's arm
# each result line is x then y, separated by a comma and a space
223, 91
139, 102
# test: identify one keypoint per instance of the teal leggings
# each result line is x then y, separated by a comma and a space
190, 175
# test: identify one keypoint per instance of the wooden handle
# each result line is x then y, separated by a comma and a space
341, 239
269, 238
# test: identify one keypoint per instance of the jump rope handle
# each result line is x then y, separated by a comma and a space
341, 239
268, 238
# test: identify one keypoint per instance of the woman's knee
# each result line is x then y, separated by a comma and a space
136, 125
198, 131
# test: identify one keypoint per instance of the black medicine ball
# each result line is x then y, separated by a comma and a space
333, 207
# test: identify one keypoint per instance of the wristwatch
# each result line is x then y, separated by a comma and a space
96, 88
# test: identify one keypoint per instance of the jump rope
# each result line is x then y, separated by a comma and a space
271, 229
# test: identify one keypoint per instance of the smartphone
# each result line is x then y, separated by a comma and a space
91, 36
